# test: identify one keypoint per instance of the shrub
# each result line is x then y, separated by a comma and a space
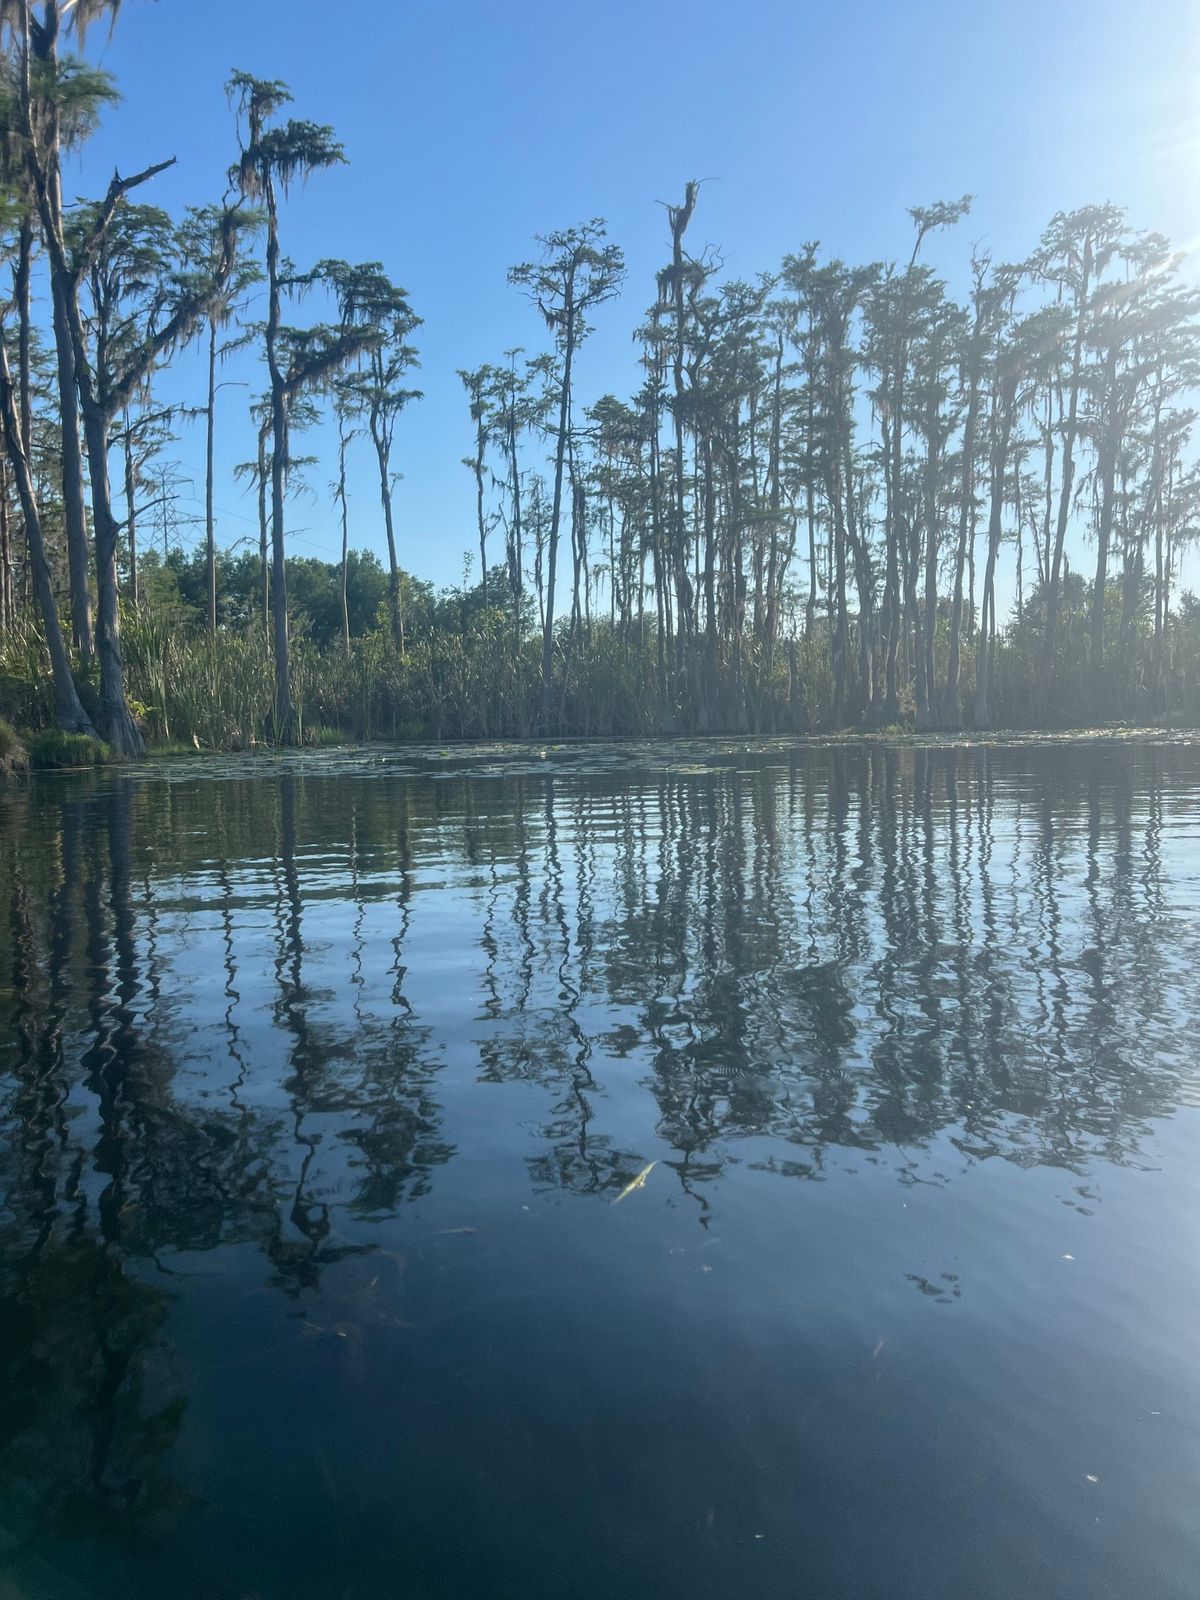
12, 752
53, 748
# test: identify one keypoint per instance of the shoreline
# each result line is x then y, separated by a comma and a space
498, 757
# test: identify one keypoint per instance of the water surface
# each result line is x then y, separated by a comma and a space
321, 1087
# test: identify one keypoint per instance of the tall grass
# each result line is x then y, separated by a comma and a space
448, 685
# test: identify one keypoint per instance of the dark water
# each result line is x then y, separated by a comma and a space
318, 1093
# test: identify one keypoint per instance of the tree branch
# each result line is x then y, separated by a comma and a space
118, 188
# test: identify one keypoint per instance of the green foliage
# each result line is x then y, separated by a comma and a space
52, 748
14, 758
464, 674
458, 678
177, 587
26, 692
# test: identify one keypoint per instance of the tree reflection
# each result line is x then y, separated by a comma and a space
867, 960
222, 1028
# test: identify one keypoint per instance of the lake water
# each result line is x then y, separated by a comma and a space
322, 1087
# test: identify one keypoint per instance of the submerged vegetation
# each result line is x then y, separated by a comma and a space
809, 515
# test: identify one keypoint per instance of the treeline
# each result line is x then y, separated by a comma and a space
846, 455
813, 512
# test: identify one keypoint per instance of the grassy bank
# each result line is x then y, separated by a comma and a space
189, 690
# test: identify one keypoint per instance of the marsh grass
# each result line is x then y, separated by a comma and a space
190, 691
52, 748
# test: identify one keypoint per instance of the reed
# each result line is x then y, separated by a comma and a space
469, 682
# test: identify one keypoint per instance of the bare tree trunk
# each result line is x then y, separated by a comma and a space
810, 610
210, 547
71, 716
263, 531
7, 617
679, 217
1160, 615
1108, 451
892, 445
837, 598
928, 715
131, 514
481, 523
560, 451
285, 713
514, 541
45, 170
578, 536
539, 576
666, 719
1108, 468
44, 158
383, 455
74, 519
119, 727
711, 642
74, 516
1054, 586
987, 614
345, 534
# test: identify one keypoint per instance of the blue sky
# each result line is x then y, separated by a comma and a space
470, 127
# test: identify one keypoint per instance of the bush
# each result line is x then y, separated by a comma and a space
52, 748
13, 758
